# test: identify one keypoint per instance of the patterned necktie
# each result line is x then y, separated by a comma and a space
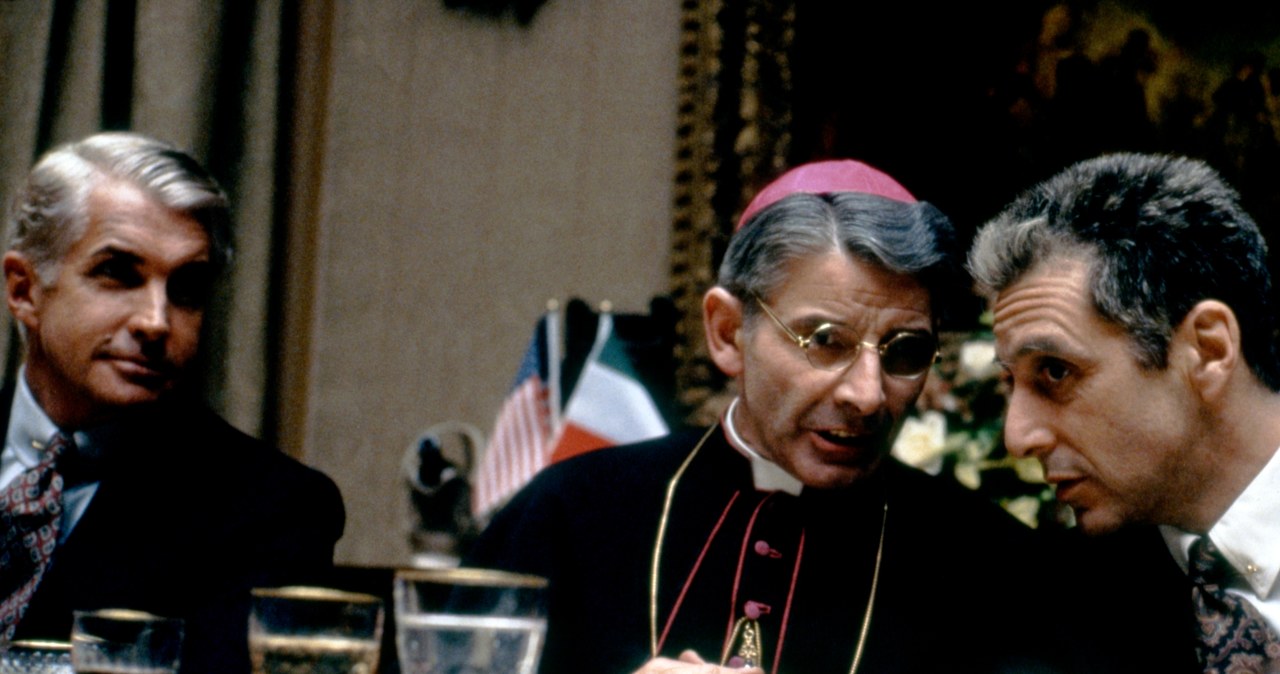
1233, 636
30, 512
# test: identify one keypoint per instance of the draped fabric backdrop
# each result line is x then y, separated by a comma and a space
235, 83
474, 166
211, 77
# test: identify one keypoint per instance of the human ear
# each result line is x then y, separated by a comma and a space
1210, 339
22, 288
722, 321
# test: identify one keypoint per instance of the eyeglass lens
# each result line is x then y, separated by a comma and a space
905, 354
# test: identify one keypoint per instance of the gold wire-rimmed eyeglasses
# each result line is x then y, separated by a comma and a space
906, 354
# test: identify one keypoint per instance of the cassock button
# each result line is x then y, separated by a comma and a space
763, 549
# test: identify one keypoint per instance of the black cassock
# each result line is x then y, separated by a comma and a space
958, 591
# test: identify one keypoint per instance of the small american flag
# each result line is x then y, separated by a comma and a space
520, 444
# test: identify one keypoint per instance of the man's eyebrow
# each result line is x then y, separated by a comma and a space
112, 250
1034, 346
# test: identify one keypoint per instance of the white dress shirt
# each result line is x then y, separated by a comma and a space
1248, 535
30, 429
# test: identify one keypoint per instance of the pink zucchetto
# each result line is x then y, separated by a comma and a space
825, 177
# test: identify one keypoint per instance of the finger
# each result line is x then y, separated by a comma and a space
662, 666
691, 656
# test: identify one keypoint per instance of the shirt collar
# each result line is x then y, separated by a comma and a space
29, 427
1247, 534
765, 474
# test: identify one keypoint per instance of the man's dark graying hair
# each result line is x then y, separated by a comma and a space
915, 239
1160, 233
50, 211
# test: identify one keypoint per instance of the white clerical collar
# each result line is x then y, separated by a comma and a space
767, 475
1248, 534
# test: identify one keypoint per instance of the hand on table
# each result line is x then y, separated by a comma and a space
690, 663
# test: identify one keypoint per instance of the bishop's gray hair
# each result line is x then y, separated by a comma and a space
914, 239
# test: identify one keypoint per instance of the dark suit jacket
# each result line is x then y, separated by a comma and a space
1131, 603
961, 585
188, 516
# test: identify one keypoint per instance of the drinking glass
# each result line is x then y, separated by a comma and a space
469, 621
120, 641
35, 657
313, 630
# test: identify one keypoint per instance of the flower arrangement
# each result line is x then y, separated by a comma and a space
956, 433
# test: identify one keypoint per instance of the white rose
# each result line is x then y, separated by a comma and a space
977, 448
922, 441
1024, 508
968, 474
978, 359
1029, 470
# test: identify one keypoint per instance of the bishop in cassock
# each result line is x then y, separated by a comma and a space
785, 537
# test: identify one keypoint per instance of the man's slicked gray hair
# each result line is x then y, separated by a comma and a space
50, 210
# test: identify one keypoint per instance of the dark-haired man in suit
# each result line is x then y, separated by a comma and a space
1135, 317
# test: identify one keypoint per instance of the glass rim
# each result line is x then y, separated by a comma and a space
312, 593
473, 576
40, 644
122, 614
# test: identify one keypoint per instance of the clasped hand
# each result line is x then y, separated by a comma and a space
690, 663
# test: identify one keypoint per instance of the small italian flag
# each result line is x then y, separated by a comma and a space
608, 406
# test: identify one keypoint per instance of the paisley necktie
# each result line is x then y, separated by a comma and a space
1232, 636
30, 512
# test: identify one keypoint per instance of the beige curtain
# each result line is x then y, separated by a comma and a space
205, 75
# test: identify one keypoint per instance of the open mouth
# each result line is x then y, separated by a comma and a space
843, 438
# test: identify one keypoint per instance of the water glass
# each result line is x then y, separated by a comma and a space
313, 630
35, 657
120, 641
469, 621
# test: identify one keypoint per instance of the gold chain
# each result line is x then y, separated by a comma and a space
657, 546
657, 558
871, 599
751, 650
